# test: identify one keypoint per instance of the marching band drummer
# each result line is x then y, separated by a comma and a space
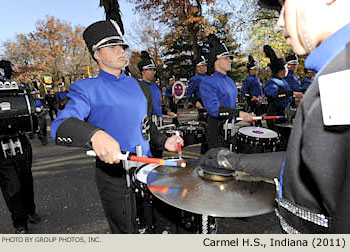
194, 83
291, 78
277, 89
110, 112
314, 173
252, 88
219, 93
148, 70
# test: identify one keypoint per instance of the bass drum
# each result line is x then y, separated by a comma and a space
256, 140
155, 216
17, 108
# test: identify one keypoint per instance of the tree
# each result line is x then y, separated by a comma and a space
183, 17
54, 48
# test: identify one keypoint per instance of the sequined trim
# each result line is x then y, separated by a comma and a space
288, 229
305, 214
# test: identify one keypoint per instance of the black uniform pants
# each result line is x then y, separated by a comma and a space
116, 197
52, 110
16, 182
173, 108
214, 133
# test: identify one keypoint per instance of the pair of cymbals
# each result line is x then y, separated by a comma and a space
187, 189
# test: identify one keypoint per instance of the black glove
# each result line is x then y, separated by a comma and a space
218, 158
257, 164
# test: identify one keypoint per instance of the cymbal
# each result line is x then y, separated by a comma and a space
183, 188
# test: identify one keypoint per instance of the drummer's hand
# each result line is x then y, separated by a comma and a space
246, 116
297, 97
105, 147
218, 158
171, 143
171, 114
254, 98
199, 105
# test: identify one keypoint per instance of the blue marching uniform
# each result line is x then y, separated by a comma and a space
252, 86
193, 87
169, 91
218, 90
219, 94
279, 93
293, 81
306, 83
156, 98
109, 103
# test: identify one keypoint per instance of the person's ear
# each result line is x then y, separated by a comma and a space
329, 2
96, 56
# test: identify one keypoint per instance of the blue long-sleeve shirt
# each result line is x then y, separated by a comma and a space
116, 105
156, 98
193, 86
218, 90
252, 86
306, 83
274, 87
61, 96
293, 81
169, 91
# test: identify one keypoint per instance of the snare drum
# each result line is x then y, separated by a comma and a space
256, 140
155, 216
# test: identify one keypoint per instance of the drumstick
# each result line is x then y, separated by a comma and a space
179, 150
261, 118
146, 160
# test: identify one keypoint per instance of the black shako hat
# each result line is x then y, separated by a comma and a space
102, 34
200, 61
217, 50
251, 63
146, 62
276, 64
106, 33
270, 4
292, 59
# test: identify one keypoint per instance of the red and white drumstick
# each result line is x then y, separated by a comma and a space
146, 160
179, 149
261, 118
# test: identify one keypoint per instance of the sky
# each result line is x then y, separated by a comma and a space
20, 16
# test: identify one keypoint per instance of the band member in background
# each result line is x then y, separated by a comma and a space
219, 93
277, 89
291, 78
40, 117
61, 97
314, 174
252, 89
16, 179
148, 71
110, 113
192, 92
309, 77
51, 103
171, 99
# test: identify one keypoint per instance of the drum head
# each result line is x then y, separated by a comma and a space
142, 172
258, 132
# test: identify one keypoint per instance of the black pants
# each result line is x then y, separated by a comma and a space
214, 133
116, 197
51, 111
173, 108
16, 182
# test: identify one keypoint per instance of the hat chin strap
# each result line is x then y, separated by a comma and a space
107, 64
304, 36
